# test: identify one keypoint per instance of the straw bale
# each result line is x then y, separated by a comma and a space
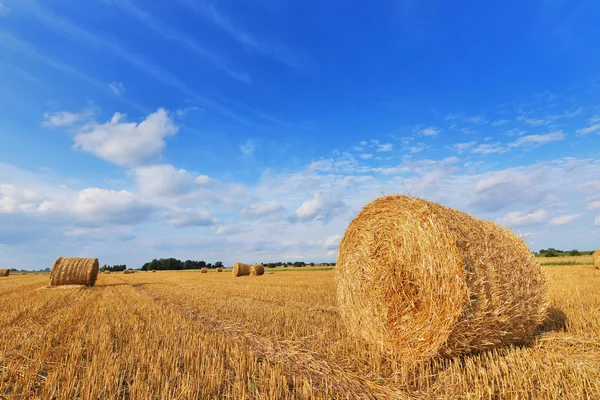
219, 269
4, 272
129, 271
258, 269
241, 269
153, 270
74, 271
204, 270
596, 258
422, 280
107, 272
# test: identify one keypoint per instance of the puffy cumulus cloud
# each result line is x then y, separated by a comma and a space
127, 143
594, 205
116, 207
165, 181
514, 219
322, 207
385, 147
262, 209
563, 219
332, 242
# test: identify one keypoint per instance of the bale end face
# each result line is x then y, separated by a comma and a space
4, 272
257, 270
422, 280
241, 269
219, 269
204, 270
596, 258
74, 271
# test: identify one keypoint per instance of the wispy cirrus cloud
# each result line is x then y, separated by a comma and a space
538, 139
563, 219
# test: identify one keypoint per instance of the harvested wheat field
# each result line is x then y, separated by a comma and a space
186, 335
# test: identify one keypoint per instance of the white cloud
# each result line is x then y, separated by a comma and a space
488, 149
332, 242
430, 131
261, 209
117, 88
597, 221
513, 219
500, 122
589, 129
461, 147
248, 148
63, 118
366, 156
203, 179
532, 121
190, 218
321, 207
594, 205
538, 139
385, 147
121, 207
180, 112
563, 219
124, 143
163, 181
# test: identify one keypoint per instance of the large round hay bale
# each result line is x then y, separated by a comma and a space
596, 258
258, 269
74, 271
129, 271
420, 280
204, 270
219, 269
241, 269
4, 272
107, 272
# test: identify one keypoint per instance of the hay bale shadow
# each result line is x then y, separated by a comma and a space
556, 321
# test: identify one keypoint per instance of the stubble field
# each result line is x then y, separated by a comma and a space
186, 335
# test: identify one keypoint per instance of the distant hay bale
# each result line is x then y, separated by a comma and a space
129, 271
219, 269
204, 270
422, 280
74, 271
4, 272
596, 258
257, 269
107, 272
153, 270
241, 269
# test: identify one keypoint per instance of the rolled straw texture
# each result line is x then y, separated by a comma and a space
74, 271
422, 280
596, 258
204, 270
4, 272
128, 271
241, 269
219, 269
258, 269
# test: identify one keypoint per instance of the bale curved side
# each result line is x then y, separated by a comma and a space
258, 270
241, 269
129, 271
204, 270
107, 272
219, 269
421, 280
74, 271
596, 258
4, 272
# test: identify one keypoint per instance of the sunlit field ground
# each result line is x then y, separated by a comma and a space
188, 335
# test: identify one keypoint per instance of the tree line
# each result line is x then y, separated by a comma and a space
173, 264
552, 252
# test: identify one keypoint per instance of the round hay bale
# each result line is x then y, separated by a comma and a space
219, 269
204, 270
421, 280
129, 271
153, 270
258, 270
596, 258
4, 272
74, 271
241, 269
107, 272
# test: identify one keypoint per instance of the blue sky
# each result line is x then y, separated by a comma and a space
255, 131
